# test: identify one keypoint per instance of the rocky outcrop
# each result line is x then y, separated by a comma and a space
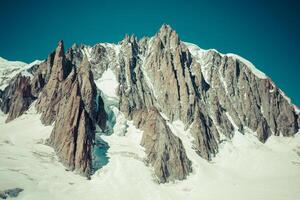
206, 135
215, 95
212, 93
72, 136
66, 96
10, 193
42, 75
48, 101
157, 72
70, 100
17, 97
165, 151
251, 101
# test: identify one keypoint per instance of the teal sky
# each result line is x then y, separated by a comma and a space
265, 32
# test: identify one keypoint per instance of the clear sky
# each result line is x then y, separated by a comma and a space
265, 32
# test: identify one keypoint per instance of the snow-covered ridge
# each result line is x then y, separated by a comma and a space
253, 69
243, 166
199, 54
9, 69
10, 64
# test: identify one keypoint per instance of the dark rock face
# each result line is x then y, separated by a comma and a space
164, 150
17, 97
51, 95
2, 195
42, 75
66, 96
70, 100
157, 72
10, 193
72, 136
251, 101
166, 153
205, 134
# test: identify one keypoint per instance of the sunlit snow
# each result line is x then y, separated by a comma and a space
9, 69
108, 84
243, 169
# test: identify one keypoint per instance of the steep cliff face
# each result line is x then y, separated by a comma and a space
165, 151
15, 78
70, 100
247, 97
66, 96
73, 136
215, 95
48, 101
17, 97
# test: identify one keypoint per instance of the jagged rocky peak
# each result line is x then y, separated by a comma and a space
168, 36
70, 100
47, 102
165, 151
60, 69
66, 96
226, 89
17, 97
215, 96
147, 83
74, 54
246, 95
129, 39
167, 65
73, 133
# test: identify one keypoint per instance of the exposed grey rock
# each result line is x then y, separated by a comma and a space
213, 94
251, 101
13, 192
71, 101
161, 72
17, 97
67, 97
3, 195
165, 151
205, 134
72, 136
10, 193
298, 122
51, 95
42, 75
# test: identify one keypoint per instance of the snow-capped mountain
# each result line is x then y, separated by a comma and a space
9, 69
144, 111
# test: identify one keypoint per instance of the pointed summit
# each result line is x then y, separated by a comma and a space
165, 27
168, 36
60, 66
129, 39
60, 48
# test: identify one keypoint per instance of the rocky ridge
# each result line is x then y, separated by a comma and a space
213, 94
65, 95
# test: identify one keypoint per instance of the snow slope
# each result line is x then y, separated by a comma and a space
108, 84
244, 168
